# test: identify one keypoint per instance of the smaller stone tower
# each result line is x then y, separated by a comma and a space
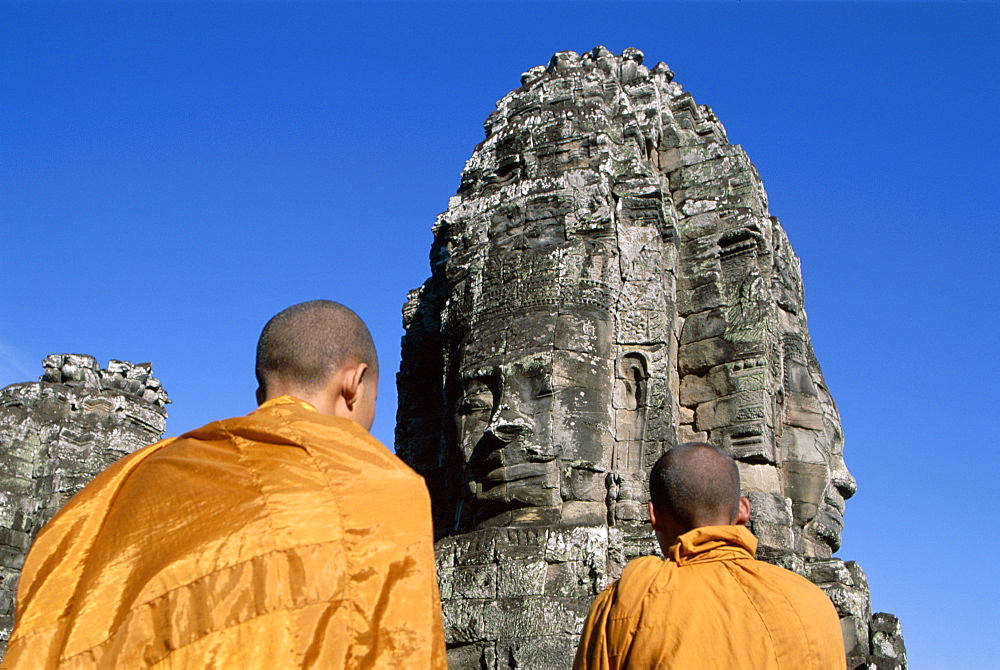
56, 435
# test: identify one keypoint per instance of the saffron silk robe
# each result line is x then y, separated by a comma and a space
285, 538
711, 606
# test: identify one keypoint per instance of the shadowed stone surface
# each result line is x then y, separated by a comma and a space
608, 282
55, 436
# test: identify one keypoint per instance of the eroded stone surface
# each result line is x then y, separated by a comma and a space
55, 436
607, 282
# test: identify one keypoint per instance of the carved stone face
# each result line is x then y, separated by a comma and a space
532, 416
816, 478
829, 522
840, 485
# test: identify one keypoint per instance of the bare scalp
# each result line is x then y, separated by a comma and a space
307, 343
697, 484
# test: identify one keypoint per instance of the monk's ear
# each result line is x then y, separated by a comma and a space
742, 512
652, 516
260, 396
351, 387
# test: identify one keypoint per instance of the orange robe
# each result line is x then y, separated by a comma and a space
281, 539
711, 606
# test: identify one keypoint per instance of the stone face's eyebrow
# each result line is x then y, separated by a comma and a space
533, 364
479, 373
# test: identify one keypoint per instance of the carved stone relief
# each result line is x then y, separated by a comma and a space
608, 282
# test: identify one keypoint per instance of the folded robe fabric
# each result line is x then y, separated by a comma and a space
285, 538
711, 606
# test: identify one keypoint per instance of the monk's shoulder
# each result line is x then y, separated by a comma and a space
643, 567
90, 501
783, 576
799, 589
641, 577
346, 442
348, 455
193, 456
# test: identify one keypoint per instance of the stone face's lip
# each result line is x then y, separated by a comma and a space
829, 527
836, 502
520, 471
515, 453
829, 530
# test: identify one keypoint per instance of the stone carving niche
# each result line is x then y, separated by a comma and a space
608, 282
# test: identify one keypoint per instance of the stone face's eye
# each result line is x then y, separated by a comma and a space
544, 392
475, 404
478, 398
561, 391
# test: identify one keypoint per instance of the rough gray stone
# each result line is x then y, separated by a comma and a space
55, 436
887, 648
608, 281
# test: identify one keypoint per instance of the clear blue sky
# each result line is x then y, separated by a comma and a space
172, 174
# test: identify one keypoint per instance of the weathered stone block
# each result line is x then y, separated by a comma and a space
570, 579
750, 442
701, 225
579, 543
848, 601
700, 298
805, 484
781, 557
480, 656
760, 477
832, 571
803, 411
520, 576
12, 557
717, 413
695, 390
533, 617
476, 549
16, 539
703, 325
471, 621
855, 632
887, 645
573, 332
521, 541
771, 519
686, 433
801, 445
543, 652
473, 581
585, 513
697, 357
584, 485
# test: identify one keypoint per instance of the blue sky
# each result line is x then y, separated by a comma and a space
172, 174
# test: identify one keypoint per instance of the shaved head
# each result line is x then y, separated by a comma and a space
304, 345
696, 484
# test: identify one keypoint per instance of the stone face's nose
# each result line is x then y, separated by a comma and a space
508, 427
842, 479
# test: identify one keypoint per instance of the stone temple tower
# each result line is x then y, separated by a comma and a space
55, 436
609, 282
